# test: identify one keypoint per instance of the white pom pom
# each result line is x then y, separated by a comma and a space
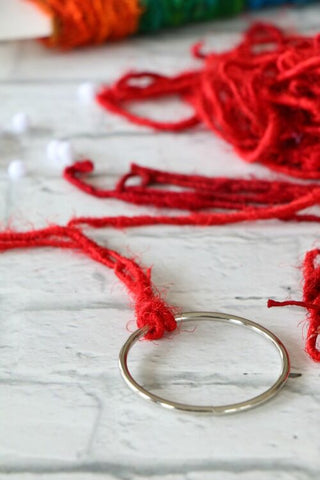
86, 93
60, 153
65, 153
20, 123
52, 151
16, 169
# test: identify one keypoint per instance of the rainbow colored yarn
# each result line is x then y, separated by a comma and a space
271, 3
89, 22
172, 13
159, 14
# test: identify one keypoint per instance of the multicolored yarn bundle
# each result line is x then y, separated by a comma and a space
84, 22
262, 97
272, 3
173, 13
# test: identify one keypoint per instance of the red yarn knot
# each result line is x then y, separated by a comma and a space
154, 312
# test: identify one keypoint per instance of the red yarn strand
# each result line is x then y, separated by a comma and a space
239, 196
149, 306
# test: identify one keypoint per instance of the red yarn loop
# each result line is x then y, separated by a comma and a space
155, 313
243, 199
125, 90
261, 96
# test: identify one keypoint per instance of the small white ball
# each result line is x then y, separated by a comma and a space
60, 153
16, 169
20, 123
52, 151
86, 93
65, 153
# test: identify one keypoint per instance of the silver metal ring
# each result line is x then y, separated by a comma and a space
220, 409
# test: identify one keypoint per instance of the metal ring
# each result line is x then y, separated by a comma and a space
220, 409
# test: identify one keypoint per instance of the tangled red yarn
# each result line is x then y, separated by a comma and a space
211, 201
236, 200
263, 97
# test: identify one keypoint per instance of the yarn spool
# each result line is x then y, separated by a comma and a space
273, 3
168, 13
83, 22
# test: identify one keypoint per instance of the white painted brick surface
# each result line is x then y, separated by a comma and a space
65, 413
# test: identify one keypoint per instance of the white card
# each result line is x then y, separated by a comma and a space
21, 19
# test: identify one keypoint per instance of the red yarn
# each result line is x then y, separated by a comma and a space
150, 308
263, 97
243, 199
124, 90
311, 301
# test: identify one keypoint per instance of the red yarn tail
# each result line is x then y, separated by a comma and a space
311, 301
150, 308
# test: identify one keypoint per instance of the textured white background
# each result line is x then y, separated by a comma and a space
64, 409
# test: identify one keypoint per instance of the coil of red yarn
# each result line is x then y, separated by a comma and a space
263, 97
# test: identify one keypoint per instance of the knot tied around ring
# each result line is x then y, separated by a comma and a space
153, 311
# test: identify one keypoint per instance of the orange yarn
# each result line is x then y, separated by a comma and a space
79, 22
